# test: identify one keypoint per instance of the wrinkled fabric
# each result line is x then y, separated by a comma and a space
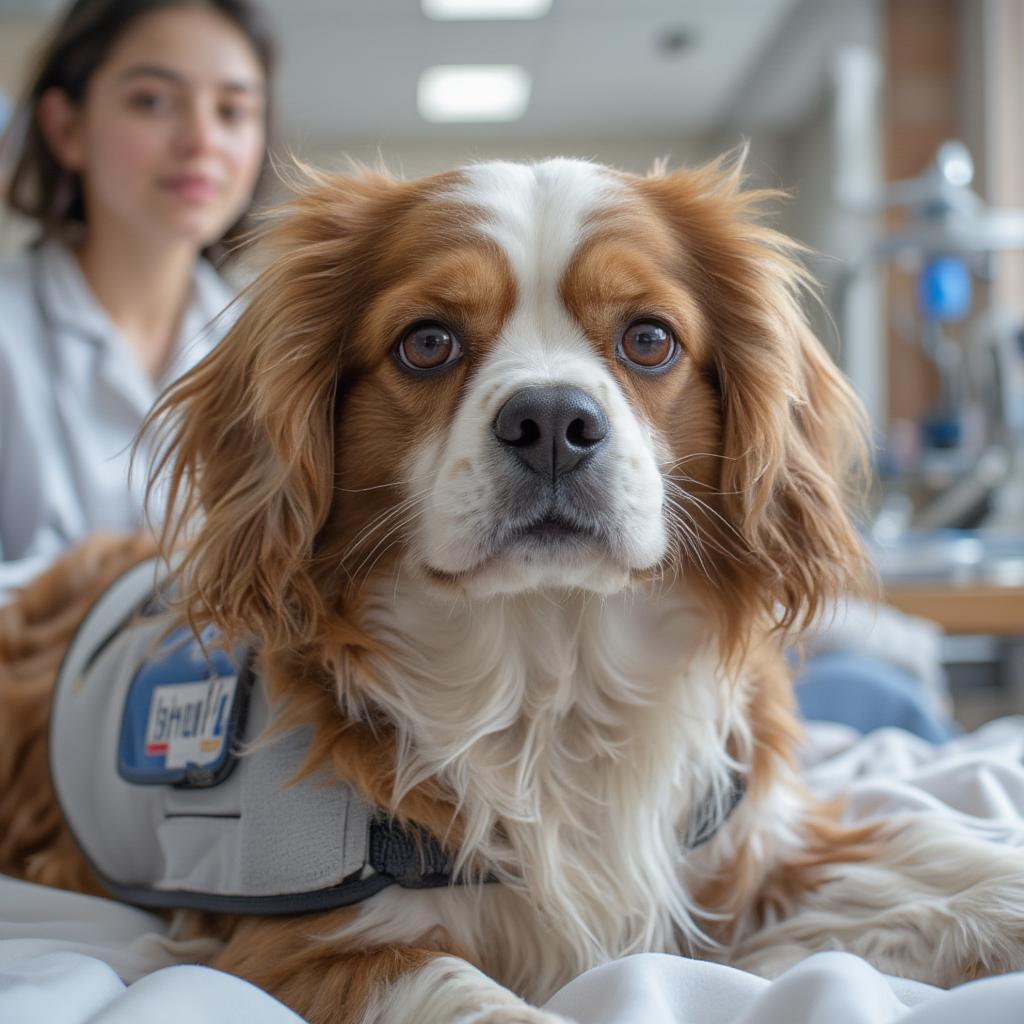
71, 959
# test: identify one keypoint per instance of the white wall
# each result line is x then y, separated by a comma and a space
414, 159
19, 38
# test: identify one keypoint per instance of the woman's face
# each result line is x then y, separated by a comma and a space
170, 136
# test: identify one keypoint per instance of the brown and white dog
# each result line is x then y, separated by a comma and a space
519, 476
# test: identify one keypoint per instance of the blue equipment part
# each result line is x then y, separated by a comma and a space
945, 290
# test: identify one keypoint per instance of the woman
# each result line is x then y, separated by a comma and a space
146, 137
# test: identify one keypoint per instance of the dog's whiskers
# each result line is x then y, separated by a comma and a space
689, 538
366, 534
689, 496
697, 455
409, 515
375, 487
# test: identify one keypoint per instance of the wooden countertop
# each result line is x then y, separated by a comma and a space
963, 608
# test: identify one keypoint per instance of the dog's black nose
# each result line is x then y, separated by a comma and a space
552, 429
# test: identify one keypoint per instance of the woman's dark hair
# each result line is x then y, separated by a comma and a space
39, 186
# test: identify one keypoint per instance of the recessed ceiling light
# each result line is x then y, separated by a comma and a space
484, 10
473, 92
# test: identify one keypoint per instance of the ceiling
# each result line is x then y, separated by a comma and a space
596, 65
349, 68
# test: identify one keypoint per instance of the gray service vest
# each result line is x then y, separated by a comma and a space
144, 742
148, 753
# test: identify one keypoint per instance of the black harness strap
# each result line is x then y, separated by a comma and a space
408, 855
414, 859
709, 818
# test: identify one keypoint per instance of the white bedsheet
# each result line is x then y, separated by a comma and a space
63, 956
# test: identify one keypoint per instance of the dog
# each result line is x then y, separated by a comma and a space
517, 480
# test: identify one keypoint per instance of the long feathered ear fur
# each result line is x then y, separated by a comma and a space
793, 432
246, 439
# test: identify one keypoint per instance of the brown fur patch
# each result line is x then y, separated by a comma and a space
322, 980
35, 630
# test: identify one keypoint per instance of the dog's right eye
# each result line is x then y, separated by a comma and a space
428, 346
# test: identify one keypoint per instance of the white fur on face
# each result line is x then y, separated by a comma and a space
538, 215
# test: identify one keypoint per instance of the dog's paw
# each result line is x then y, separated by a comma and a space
519, 1015
448, 990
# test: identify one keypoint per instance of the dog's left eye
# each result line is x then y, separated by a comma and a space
428, 347
648, 345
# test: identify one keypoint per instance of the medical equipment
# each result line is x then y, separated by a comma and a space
963, 463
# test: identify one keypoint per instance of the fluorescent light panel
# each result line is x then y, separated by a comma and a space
470, 93
484, 10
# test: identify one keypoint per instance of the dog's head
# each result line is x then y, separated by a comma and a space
511, 378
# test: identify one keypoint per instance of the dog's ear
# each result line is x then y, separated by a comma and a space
792, 430
794, 467
246, 439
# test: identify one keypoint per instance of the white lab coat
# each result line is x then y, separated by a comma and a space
72, 398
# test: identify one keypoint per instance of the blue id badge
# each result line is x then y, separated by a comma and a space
184, 713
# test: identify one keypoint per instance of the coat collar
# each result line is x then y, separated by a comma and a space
71, 307
68, 302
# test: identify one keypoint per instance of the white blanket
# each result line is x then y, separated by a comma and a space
63, 956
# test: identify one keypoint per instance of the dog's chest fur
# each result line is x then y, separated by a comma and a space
578, 735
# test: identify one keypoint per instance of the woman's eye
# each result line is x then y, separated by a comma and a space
428, 347
648, 345
234, 113
149, 102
